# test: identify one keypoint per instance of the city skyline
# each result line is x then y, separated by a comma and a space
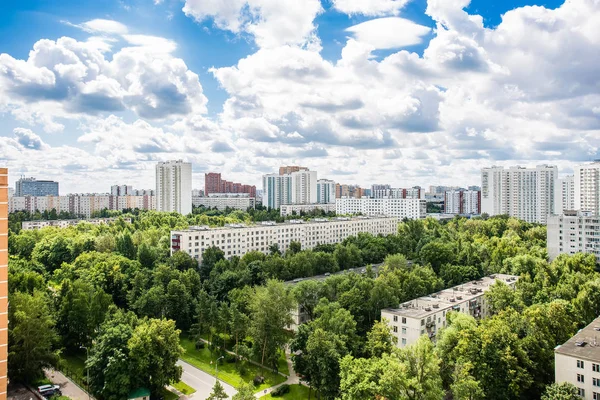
406, 92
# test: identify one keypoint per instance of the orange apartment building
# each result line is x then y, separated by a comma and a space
3, 281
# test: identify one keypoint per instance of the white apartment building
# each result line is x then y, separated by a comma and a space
463, 202
573, 232
426, 315
524, 193
578, 361
289, 209
237, 201
385, 191
237, 240
121, 190
398, 208
174, 186
587, 187
564, 196
325, 191
295, 188
80, 204
65, 223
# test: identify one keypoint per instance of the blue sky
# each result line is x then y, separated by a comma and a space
396, 91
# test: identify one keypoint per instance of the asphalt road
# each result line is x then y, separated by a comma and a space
67, 387
201, 381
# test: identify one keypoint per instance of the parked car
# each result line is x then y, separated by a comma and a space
49, 390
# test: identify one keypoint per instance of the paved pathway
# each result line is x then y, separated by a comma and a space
292, 379
67, 387
201, 381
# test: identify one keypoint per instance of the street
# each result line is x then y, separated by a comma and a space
67, 387
201, 381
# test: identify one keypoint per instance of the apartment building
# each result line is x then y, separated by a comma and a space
573, 232
174, 186
238, 239
524, 193
214, 184
81, 204
34, 187
290, 209
325, 191
298, 187
462, 202
587, 187
386, 191
286, 170
426, 315
564, 196
390, 207
237, 201
578, 361
343, 190
65, 223
3, 282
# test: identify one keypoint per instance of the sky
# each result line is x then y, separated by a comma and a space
405, 92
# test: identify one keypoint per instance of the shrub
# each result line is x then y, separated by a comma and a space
258, 380
200, 345
281, 390
230, 358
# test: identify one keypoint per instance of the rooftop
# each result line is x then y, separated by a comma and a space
448, 298
585, 344
287, 223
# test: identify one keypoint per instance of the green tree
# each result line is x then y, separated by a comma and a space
561, 391
324, 351
52, 251
146, 255
380, 340
182, 261
500, 297
125, 246
270, 309
245, 392
464, 386
154, 351
218, 392
31, 336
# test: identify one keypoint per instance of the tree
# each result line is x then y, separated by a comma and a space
423, 370
182, 261
210, 258
52, 251
154, 351
324, 350
561, 391
500, 297
464, 386
146, 255
436, 254
31, 336
380, 340
294, 248
245, 392
218, 392
270, 309
125, 246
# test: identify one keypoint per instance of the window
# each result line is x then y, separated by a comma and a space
422, 322
395, 318
403, 341
596, 382
579, 364
596, 396
596, 367
404, 331
581, 392
403, 320
395, 329
580, 378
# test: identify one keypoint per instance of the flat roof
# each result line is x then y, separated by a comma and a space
293, 222
584, 344
448, 298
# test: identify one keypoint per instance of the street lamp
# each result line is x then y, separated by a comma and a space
87, 356
217, 368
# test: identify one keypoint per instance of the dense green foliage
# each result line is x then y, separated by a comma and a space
116, 290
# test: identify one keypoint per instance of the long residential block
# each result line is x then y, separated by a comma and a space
65, 223
223, 201
390, 207
290, 209
237, 240
427, 314
578, 361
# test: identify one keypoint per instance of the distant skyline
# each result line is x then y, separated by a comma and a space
421, 92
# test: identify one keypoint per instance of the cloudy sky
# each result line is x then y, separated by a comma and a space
406, 92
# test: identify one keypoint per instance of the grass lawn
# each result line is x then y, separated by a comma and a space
227, 372
183, 388
73, 364
168, 395
297, 392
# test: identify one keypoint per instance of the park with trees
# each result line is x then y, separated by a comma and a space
116, 291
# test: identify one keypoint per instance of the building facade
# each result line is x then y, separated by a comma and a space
385, 191
524, 193
34, 187
565, 194
83, 205
121, 190
213, 184
174, 187
325, 191
578, 361
389, 207
573, 232
237, 201
299, 187
427, 315
462, 202
587, 187
65, 223
3, 283
237, 240
342, 190
298, 209
286, 170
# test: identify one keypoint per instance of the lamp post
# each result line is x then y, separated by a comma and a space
87, 356
217, 368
